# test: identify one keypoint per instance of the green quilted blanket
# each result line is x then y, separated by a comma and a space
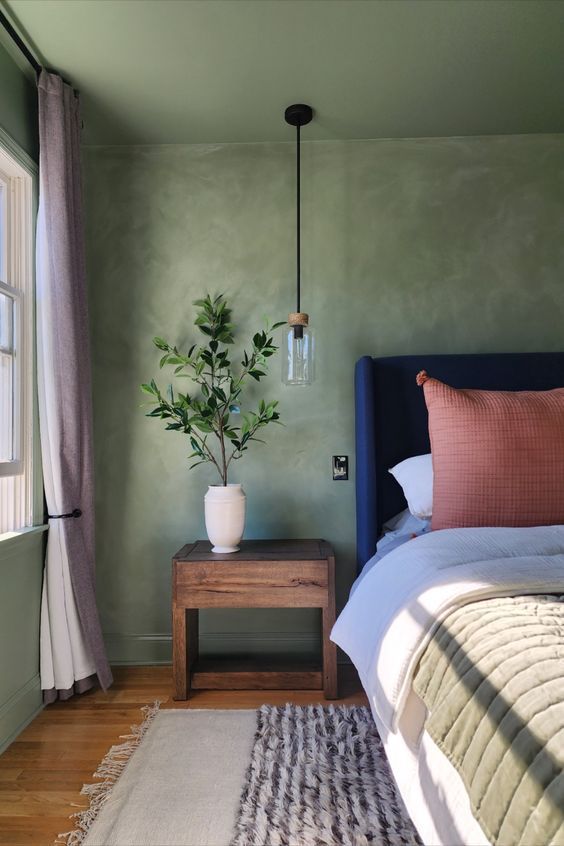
492, 679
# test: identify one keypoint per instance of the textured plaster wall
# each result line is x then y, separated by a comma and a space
18, 105
408, 246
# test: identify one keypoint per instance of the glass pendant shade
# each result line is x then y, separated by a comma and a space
298, 360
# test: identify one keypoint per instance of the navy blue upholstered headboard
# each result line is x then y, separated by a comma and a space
391, 418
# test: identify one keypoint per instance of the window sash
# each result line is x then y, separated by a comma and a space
11, 409
16, 347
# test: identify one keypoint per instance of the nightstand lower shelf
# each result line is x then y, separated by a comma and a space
264, 673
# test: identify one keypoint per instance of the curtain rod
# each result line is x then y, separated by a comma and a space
22, 47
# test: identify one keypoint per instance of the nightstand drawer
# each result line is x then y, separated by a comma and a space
258, 584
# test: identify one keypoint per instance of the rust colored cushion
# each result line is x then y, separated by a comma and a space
498, 456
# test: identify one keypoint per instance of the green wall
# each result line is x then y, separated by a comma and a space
18, 105
21, 558
451, 245
21, 570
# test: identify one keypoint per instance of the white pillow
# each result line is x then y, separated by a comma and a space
415, 475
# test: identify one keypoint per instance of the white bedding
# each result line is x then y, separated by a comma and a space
431, 787
397, 606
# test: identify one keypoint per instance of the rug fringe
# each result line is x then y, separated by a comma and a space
110, 769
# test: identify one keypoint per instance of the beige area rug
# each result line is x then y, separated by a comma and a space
279, 776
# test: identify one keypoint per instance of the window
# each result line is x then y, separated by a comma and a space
16, 345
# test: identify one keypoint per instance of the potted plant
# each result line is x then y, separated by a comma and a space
205, 411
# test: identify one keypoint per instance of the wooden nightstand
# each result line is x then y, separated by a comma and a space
263, 574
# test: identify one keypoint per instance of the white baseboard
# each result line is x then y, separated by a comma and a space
19, 710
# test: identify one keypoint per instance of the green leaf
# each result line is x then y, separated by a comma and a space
161, 343
148, 389
278, 325
220, 394
203, 426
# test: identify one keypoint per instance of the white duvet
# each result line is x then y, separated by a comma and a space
390, 618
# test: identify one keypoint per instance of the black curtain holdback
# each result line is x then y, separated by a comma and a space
76, 513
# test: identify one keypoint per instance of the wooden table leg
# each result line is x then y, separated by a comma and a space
330, 683
180, 672
193, 640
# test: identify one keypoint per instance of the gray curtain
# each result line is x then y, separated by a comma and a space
72, 648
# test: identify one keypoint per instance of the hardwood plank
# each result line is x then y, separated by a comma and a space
222, 679
179, 653
8, 774
48, 802
32, 830
281, 584
328, 617
262, 673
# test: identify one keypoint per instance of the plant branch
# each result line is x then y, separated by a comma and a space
210, 366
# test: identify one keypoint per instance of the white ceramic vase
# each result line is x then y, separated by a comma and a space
225, 508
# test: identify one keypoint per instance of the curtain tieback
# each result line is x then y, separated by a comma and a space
76, 513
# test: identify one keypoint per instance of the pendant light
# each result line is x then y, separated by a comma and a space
298, 347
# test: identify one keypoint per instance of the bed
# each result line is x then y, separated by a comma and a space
389, 620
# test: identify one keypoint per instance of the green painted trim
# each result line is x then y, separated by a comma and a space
157, 648
18, 153
19, 710
12, 543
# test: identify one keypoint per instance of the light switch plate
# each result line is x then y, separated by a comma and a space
340, 468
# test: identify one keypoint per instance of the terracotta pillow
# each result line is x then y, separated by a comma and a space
498, 456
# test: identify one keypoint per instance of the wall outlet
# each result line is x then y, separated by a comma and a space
340, 468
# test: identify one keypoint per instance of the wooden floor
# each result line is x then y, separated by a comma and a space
42, 772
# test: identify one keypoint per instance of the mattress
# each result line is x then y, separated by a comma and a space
431, 788
387, 624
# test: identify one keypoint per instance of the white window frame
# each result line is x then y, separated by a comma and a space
16, 280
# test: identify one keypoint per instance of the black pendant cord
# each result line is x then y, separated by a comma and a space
298, 217
298, 115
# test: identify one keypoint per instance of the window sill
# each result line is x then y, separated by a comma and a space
12, 540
